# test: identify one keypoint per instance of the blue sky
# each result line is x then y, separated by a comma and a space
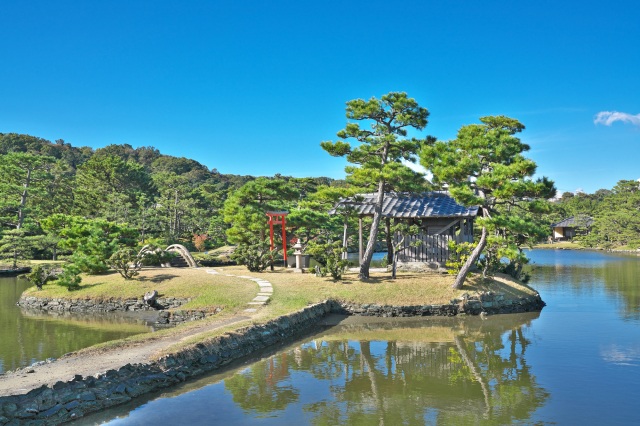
253, 87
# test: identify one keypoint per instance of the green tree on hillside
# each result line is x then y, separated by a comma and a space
485, 166
378, 159
73, 156
617, 222
181, 206
245, 210
15, 245
23, 175
106, 179
92, 241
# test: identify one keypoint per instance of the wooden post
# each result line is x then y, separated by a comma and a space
284, 240
271, 233
345, 253
360, 251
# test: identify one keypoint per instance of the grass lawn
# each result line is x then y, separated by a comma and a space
559, 245
294, 291
205, 290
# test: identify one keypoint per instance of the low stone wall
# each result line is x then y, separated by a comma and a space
496, 303
421, 267
65, 401
173, 318
487, 303
89, 305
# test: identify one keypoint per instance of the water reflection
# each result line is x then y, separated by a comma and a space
410, 372
31, 336
589, 272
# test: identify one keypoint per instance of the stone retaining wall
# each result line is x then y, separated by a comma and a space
89, 305
173, 318
484, 303
65, 401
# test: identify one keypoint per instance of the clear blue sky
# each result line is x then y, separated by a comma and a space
252, 87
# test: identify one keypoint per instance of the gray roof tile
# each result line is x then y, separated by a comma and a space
408, 205
574, 222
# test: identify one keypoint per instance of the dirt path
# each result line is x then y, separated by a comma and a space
89, 363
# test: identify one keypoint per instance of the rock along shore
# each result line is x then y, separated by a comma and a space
64, 401
169, 314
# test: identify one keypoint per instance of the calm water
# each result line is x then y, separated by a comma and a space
576, 362
28, 337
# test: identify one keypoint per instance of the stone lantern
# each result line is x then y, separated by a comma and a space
298, 254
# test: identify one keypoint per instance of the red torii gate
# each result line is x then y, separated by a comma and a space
277, 218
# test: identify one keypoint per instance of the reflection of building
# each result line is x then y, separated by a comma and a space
570, 227
437, 214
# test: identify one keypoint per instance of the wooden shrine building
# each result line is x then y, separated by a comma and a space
437, 214
568, 228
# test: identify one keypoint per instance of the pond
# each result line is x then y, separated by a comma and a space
27, 337
576, 362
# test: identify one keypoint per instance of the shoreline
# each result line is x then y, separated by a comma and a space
89, 381
574, 246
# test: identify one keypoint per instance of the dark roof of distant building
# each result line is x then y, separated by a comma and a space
574, 222
407, 205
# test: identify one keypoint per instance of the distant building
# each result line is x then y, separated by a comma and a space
568, 228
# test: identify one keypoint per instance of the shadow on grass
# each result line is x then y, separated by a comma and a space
157, 278
82, 286
371, 280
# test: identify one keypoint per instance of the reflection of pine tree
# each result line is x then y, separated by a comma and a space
480, 366
258, 389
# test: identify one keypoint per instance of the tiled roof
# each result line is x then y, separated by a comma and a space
408, 205
574, 222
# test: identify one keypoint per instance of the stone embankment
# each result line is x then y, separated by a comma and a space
89, 305
166, 317
65, 401
176, 317
488, 303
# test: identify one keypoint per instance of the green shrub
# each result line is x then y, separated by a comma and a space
155, 256
329, 256
70, 277
256, 257
125, 262
91, 264
39, 275
458, 255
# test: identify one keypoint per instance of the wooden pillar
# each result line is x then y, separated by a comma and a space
271, 233
284, 239
360, 250
345, 253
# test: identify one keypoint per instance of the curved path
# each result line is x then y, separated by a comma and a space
92, 363
263, 297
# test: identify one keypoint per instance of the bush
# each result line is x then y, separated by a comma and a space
208, 259
70, 277
39, 275
125, 262
459, 253
199, 241
92, 264
256, 257
155, 256
329, 256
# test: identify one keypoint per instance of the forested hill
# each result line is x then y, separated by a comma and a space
164, 198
